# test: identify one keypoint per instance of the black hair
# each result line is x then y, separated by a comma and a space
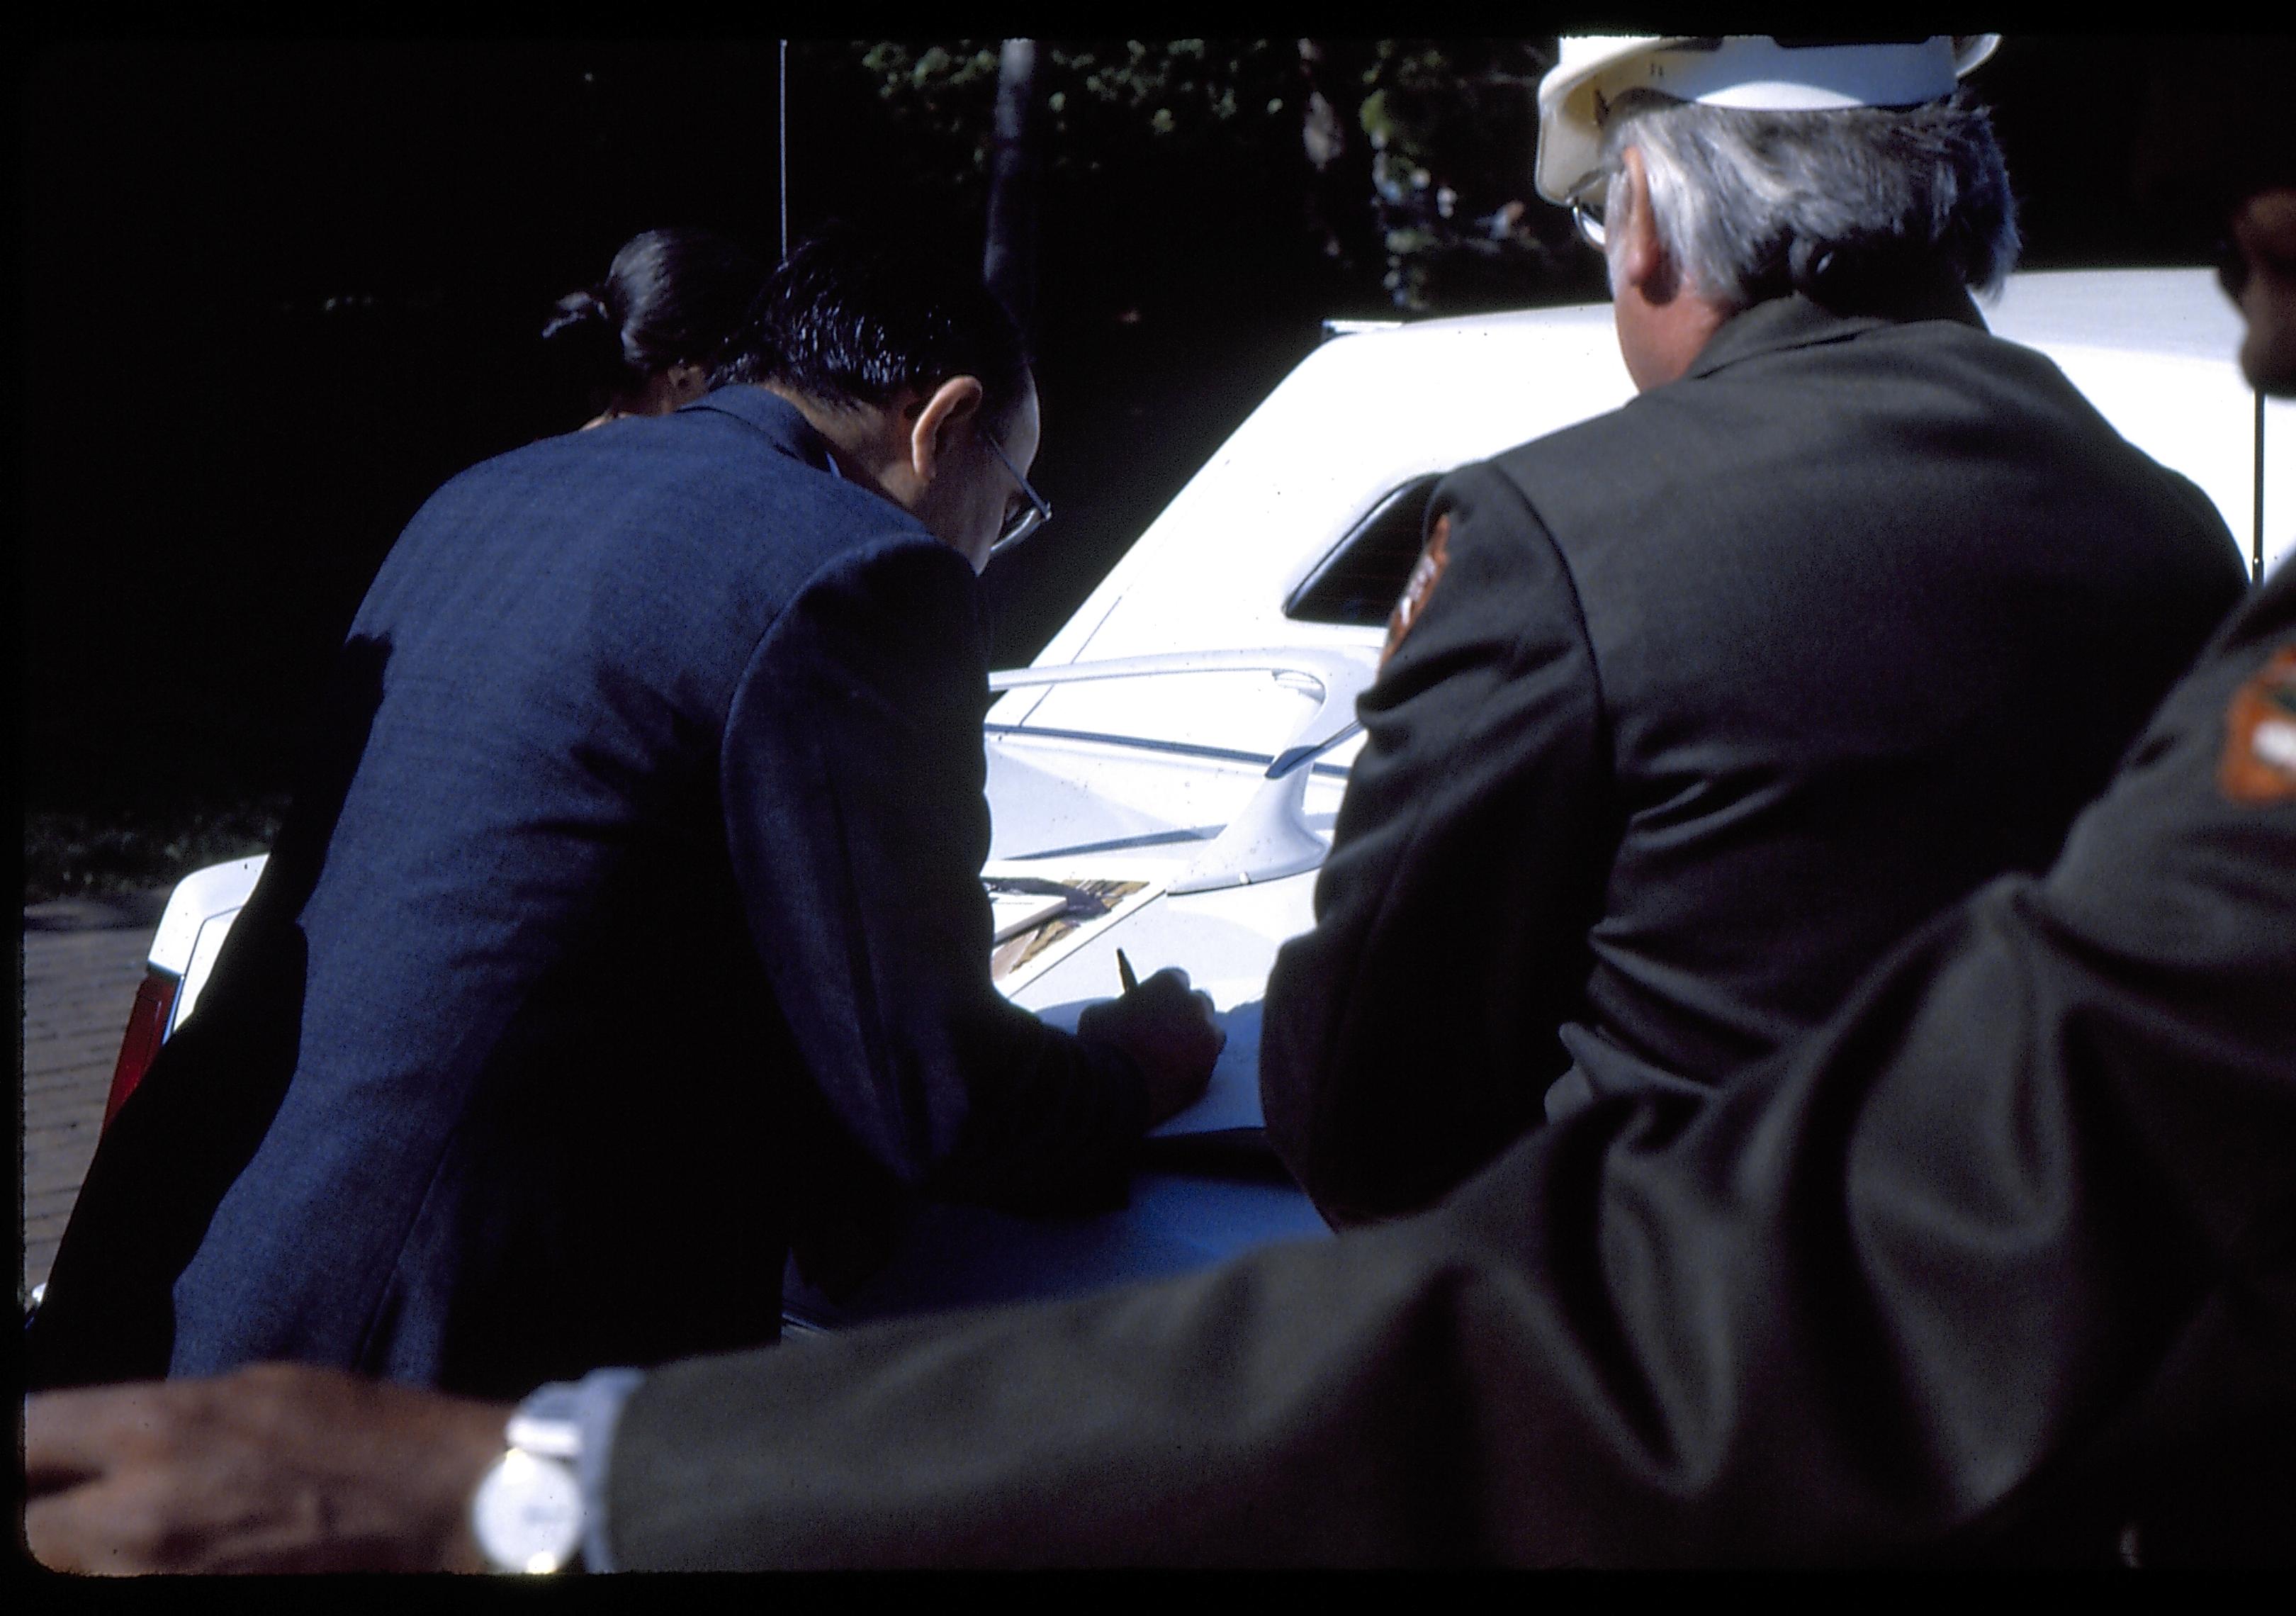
670, 297
856, 314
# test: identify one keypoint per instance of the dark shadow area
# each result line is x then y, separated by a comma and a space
191, 1127
277, 293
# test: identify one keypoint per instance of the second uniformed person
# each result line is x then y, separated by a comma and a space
1693, 711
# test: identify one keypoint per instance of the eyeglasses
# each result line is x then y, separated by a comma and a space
1588, 200
1033, 513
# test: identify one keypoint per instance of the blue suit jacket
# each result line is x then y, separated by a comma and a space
628, 923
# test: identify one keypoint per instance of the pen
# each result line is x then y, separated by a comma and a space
1124, 972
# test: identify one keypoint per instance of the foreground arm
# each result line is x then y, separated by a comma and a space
2000, 1260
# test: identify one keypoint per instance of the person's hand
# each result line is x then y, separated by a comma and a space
1171, 1033
275, 1468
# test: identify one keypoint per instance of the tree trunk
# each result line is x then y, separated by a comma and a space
1009, 265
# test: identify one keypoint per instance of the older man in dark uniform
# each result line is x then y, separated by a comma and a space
1692, 712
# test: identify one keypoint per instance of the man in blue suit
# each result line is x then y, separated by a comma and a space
628, 928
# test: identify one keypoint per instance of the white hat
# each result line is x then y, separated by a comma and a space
1754, 71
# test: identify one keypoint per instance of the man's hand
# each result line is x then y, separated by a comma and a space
1170, 1034
276, 1468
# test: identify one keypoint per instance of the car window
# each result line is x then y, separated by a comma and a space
1357, 582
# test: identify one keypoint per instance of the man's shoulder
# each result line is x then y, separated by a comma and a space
684, 536
1566, 478
702, 478
1882, 407
1705, 413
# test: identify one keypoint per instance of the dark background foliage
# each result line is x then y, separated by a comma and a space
272, 294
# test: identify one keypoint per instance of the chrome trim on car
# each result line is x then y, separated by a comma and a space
1270, 838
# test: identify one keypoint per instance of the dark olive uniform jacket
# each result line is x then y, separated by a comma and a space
1720, 696
2000, 1263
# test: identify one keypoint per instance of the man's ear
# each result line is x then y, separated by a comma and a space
1639, 256
933, 418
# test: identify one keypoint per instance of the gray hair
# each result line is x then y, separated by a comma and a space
1844, 205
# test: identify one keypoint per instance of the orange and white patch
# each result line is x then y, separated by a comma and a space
1433, 557
2259, 754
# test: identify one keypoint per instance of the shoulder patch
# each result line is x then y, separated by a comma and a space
1433, 557
2259, 752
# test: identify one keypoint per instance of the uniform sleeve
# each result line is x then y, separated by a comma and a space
853, 776
2000, 1263
1412, 1034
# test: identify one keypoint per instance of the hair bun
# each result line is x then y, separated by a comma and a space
576, 308
585, 334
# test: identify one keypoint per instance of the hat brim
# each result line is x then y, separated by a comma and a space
1765, 75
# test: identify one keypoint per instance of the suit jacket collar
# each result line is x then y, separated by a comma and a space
1796, 321
779, 421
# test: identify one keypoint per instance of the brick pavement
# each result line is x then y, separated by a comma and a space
82, 963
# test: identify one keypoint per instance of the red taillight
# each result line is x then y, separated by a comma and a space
147, 1027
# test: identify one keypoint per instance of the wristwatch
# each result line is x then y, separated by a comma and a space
527, 1512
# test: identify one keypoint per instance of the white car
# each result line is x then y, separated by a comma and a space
1163, 779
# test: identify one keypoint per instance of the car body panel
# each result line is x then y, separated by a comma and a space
191, 928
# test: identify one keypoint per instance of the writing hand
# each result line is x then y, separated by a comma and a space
1171, 1033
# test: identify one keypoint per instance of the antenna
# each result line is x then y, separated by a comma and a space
780, 106
2257, 574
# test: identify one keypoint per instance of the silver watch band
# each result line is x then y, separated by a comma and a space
528, 1512
569, 1423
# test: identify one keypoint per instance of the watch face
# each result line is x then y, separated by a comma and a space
528, 1513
